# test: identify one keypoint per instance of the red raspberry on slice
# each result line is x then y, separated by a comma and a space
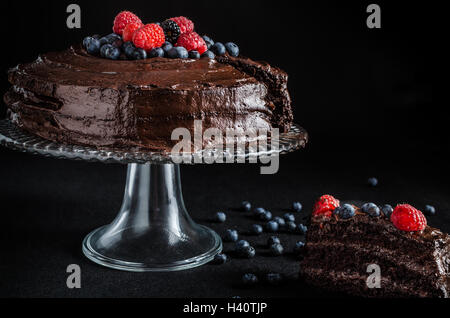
325, 206
407, 218
130, 29
192, 42
122, 19
148, 37
184, 23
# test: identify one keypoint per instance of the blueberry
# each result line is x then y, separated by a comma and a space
93, 46
258, 211
266, 216
241, 244
246, 251
302, 229
220, 217
158, 52
113, 39
178, 52
297, 207
110, 52
231, 236
166, 47
208, 54
372, 182
274, 278
273, 240
429, 210
209, 42
291, 226
128, 48
194, 55
372, 209
276, 249
218, 48
289, 217
336, 210
245, 205
298, 248
272, 226
220, 259
281, 222
256, 229
249, 279
232, 49
139, 54
347, 211
387, 210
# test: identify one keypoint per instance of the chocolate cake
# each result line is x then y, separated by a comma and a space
339, 250
75, 97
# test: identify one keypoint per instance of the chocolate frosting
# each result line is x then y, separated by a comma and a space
74, 97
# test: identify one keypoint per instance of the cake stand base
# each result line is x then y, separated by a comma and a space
153, 231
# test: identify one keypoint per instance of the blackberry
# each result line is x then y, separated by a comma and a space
171, 31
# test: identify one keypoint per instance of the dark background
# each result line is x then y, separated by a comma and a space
365, 97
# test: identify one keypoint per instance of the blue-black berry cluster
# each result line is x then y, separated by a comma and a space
113, 47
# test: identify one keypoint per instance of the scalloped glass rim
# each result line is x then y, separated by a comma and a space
15, 138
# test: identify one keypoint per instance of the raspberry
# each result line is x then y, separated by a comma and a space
192, 41
130, 29
325, 206
148, 37
185, 24
122, 19
407, 218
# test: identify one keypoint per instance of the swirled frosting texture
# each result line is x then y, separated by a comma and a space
73, 97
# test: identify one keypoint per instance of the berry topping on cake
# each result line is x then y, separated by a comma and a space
184, 23
407, 218
371, 208
171, 30
123, 19
148, 37
218, 49
325, 206
232, 49
347, 211
387, 210
209, 42
129, 30
192, 42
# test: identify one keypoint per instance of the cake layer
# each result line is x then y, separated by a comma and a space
394, 265
354, 283
339, 250
74, 97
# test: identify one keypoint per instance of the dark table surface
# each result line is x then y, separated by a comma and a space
49, 205
364, 95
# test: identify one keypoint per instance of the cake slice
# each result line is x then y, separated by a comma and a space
346, 247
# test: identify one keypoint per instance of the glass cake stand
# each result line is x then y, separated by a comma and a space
152, 231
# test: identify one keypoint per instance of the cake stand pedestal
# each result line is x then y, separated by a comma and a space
152, 231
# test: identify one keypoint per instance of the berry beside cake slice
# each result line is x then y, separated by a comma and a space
372, 253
